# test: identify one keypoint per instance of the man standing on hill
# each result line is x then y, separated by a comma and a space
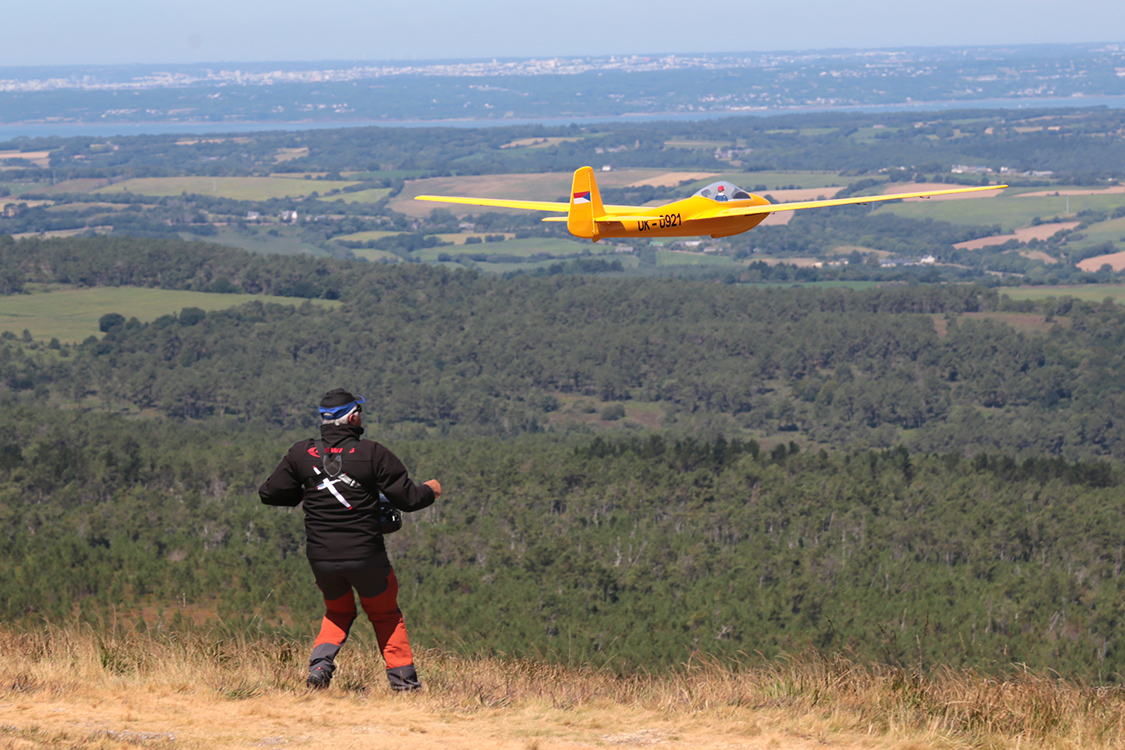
339, 477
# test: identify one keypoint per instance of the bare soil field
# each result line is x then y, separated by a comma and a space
918, 187
1116, 261
1025, 235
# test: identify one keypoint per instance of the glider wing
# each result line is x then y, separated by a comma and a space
797, 205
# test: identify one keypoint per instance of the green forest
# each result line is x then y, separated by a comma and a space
635, 470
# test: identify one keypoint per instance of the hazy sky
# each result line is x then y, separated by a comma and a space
72, 32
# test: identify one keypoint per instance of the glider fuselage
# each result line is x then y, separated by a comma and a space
677, 219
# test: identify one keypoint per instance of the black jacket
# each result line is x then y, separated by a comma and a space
341, 522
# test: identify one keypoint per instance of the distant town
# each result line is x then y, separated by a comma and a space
1078, 62
562, 87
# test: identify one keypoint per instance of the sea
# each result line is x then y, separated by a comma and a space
9, 132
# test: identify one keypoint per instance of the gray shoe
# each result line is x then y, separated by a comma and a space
404, 679
319, 679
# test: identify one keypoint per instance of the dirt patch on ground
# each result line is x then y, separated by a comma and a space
1116, 261
920, 187
672, 179
1116, 190
1025, 235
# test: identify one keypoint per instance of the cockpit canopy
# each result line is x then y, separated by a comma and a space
723, 191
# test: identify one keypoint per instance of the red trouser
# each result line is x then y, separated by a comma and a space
374, 580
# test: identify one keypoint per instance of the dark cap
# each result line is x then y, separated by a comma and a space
338, 402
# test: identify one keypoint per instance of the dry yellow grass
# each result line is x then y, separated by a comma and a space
77, 688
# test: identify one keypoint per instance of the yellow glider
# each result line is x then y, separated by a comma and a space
720, 210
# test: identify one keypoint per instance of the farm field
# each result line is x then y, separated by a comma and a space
70, 315
1038, 232
258, 240
1086, 292
372, 195
534, 143
1116, 261
38, 158
381, 174
1112, 230
1008, 210
682, 258
524, 248
236, 188
460, 237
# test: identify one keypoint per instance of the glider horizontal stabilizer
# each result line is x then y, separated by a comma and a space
498, 202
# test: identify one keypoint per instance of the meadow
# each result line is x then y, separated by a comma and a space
1112, 230
267, 240
72, 314
371, 195
1010, 210
1086, 292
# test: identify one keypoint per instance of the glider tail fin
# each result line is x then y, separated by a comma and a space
585, 205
